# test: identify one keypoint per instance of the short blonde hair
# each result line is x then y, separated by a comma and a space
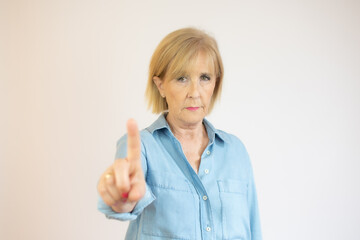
174, 56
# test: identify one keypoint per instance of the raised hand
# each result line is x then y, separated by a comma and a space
122, 185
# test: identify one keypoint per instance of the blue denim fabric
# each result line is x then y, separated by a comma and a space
219, 202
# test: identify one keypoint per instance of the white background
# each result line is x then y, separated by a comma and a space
72, 72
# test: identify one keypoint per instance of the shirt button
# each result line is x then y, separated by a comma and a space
205, 198
208, 152
206, 171
208, 229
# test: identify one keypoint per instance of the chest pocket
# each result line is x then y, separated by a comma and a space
234, 209
173, 213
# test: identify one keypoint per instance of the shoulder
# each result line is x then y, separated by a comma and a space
233, 144
229, 138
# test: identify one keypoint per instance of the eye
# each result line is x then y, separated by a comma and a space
181, 79
205, 77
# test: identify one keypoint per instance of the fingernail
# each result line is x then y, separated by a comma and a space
125, 195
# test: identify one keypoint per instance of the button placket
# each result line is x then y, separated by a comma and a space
207, 154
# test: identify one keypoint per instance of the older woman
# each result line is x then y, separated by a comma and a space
181, 178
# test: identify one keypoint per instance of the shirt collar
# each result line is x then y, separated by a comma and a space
161, 123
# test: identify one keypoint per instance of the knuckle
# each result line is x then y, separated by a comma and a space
119, 163
109, 201
135, 148
122, 188
114, 194
110, 182
102, 190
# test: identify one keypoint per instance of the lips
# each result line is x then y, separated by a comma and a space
192, 108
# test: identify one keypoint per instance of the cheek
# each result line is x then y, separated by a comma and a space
210, 92
175, 98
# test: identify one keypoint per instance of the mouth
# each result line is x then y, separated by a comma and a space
192, 108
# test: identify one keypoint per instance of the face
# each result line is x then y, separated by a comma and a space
188, 97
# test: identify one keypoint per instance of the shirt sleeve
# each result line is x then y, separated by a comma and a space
121, 152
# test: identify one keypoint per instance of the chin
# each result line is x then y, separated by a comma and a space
194, 117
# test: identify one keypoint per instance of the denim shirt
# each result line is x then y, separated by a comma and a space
218, 202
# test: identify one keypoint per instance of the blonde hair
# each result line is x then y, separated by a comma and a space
174, 56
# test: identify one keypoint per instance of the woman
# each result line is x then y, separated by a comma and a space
181, 178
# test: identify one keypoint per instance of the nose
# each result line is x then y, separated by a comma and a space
194, 91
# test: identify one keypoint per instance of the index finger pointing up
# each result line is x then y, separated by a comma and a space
133, 141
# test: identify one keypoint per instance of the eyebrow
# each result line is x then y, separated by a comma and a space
187, 74
205, 73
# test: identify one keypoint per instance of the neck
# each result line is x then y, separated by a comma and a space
186, 131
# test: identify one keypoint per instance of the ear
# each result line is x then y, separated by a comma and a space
159, 84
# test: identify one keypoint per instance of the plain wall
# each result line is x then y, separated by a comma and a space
72, 72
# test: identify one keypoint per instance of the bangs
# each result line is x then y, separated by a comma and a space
184, 61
